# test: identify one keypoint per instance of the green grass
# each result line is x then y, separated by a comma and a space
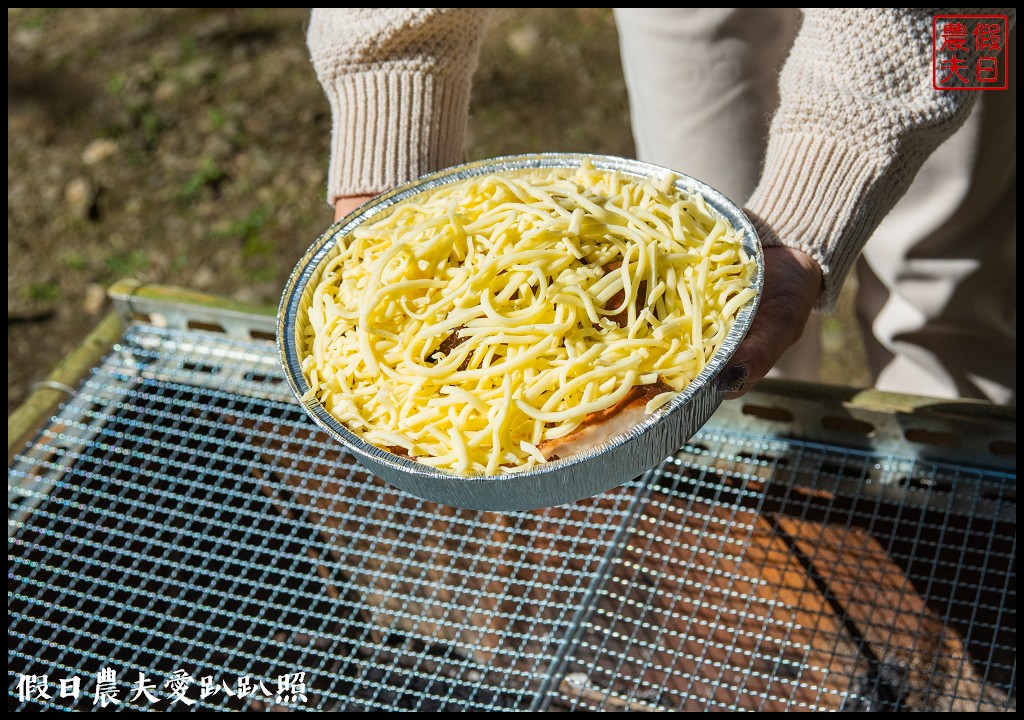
43, 292
124, 263
208, 174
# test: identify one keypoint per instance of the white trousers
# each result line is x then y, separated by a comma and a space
936, 283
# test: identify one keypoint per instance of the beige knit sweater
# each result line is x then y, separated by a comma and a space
857, 115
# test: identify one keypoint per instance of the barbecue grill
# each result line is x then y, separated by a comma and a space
182, 536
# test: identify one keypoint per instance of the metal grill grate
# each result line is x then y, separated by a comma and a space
181, 518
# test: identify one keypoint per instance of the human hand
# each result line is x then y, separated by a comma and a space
344, 205
792, 286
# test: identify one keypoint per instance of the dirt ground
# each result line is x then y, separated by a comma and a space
189, 147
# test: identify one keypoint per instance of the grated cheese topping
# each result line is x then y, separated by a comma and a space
467, 327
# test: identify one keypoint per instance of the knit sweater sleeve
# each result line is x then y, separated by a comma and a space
398, 82
857, 117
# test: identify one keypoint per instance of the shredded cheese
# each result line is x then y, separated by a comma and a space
466, 328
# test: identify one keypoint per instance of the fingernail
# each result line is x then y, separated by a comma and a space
733, 378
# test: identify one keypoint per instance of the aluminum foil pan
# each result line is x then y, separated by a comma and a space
559, 481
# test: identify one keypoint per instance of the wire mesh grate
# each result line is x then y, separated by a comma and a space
183, 537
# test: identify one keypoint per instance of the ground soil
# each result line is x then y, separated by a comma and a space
189, 147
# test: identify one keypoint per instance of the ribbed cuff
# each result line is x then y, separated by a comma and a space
390, 128
822, 197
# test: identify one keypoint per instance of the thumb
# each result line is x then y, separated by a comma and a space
792, 286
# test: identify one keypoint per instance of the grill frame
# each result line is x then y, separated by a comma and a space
791, 453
